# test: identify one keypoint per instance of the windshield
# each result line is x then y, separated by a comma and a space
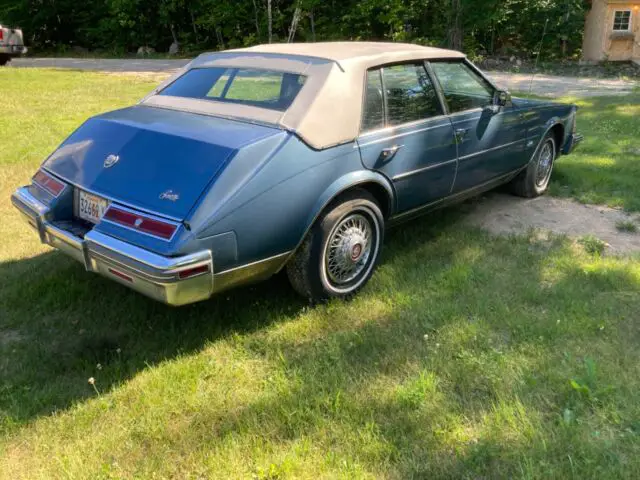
269, 89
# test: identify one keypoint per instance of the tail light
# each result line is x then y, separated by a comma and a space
49, 183
1, 33
141, 222
192, 272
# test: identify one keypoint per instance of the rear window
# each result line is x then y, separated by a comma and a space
261, 88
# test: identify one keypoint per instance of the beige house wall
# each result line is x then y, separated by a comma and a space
592, 45
601, 42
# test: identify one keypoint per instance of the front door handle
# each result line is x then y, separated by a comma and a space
388, 153
461, 133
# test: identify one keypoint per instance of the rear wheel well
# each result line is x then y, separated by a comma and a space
379, 193
558, 135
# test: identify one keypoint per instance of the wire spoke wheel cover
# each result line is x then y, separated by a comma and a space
350, 250
545, 163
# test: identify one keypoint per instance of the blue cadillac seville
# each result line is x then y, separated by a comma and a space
291, 156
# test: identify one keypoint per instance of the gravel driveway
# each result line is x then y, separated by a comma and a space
132, 65
542, 84
548, 85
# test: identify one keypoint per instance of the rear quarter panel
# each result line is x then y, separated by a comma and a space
270, 205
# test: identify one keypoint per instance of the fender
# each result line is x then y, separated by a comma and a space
549, 124
342, 184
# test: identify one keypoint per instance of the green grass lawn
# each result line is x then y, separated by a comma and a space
467, 356
606, 167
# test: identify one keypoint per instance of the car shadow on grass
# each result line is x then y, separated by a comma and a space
62, 325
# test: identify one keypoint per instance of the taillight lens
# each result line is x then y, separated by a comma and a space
192, 272
49, 183
140, 222
1, 34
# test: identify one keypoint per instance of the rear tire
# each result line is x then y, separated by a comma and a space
339, 254
534, 180
4, 59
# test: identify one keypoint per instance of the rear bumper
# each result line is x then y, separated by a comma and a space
13, 50
153, 275
572, 142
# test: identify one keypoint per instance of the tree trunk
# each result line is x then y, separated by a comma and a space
270, 20
219, 37
255, 16
173, 33
313, 26
193, 24
294, 24
455, 25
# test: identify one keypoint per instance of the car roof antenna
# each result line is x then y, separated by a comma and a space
535, 66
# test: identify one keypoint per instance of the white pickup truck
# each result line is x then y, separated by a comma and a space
11, 44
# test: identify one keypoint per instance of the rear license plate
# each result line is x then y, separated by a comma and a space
90, 207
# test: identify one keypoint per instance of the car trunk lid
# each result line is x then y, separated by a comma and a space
154, 159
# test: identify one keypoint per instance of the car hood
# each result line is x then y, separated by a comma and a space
530, 102
156, 159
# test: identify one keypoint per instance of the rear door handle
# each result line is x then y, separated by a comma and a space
388, 153
461, 133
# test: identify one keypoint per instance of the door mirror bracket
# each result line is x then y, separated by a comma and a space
502, 98
492, 109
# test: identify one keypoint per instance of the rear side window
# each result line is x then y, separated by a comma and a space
410, 96
269, 89
373, 111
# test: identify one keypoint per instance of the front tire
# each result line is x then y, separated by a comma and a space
534, 180
4, 59
340, 253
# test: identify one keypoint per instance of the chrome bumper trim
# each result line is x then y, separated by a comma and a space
151, 274
572, 142
13, 49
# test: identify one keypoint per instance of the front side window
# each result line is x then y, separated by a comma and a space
622, 21
463, 88
261, 88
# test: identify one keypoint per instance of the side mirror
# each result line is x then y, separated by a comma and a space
502, 98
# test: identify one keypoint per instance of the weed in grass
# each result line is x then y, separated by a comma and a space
627, 226
592, 244
92, 382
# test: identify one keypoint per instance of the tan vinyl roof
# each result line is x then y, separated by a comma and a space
353, 51
328, 109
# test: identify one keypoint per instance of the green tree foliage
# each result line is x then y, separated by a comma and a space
479, 27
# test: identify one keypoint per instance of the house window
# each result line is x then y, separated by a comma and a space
622, 21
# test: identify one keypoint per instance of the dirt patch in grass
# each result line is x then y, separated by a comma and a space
144, 76
504, 214
7, 337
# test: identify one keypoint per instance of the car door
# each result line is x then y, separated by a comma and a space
490, 138
405, 134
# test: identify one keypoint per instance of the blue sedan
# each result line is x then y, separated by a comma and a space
295, 157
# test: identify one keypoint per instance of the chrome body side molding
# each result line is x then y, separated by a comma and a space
453, 199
